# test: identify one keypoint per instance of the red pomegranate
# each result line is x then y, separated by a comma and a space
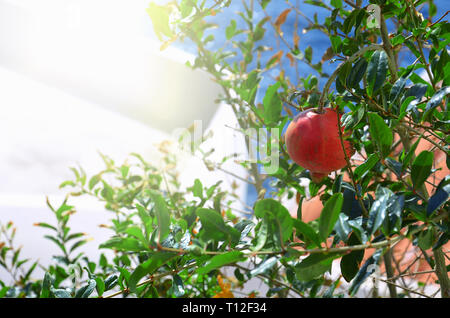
313, 142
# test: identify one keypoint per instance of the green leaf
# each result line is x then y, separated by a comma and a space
214, 227
376, 72
329, 215
337, 185
392, 223
378, 210
356, 225
380, 133
308, 53
111, 281
47, 283
42, 224
262, 234
435, 101
100, 286
220, 260
60, 293
127, 244
278, 214
336, 43
177, 286
421, 168
160, 20
357, 73
350, 262
145, 217
137, 233
264, 3
407, 156
336, 3
87, 290
307, 231
397, 89
342, 227
366, 166
155, 261
231, 29
349, 21
94, 180
366, 270
314, 266
425, 240
440, 196
197, 189
264, 266
272, 105
4, 291
351, 119
162, 215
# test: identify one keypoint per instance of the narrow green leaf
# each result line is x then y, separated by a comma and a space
440, 196
60, 293
86, 291
350, 262
111, 281
4, 291
435, 101
366, 166
421, 168
178, 286
262, 234
329, 215
307, 231
231, 29
42, 224
376, 72
94, 180
366, 270
425, 240
47, 283
392, 223
214, 227
264, 266
160, 20
148, 267
272, 105
278, 214
100, 286
137, 233
380, 133
221, 260
407, 156
378, 210
314, 266
357, 73
197, 189
162, 215
342, 227
128, 244
397, 89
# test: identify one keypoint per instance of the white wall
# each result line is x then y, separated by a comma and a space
80, 77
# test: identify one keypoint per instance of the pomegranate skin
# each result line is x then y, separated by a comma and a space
313, 142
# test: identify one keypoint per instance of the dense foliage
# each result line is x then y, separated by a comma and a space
175, 242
